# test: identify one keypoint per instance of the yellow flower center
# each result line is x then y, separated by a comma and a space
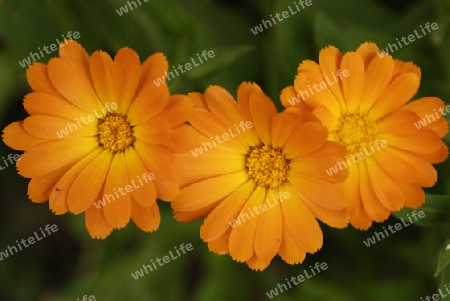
355, 132
266, 166
115, 133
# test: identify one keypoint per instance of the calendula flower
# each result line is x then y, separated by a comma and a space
363, 99
101, 137
259, 178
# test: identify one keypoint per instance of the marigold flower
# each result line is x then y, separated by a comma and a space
363, 99
101, 137
259, 178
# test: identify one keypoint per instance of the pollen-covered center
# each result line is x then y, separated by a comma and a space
115, 133
356, 132
266, 166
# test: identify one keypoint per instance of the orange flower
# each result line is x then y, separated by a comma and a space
362, 98
101, 137
259, 178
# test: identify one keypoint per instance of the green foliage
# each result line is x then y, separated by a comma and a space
71, 264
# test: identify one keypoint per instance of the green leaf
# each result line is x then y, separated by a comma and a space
327, 33
444, 258
436, 209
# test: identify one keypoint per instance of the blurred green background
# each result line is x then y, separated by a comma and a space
69, 264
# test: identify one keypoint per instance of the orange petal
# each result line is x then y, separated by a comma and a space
257, 264
351, 188
96, 223
39, 188
378, 76
15, 136
177, 111
353, 85
203, 193
318, 191
306, 139
374, 209
88, 184
58, 196
45, 158
397, 94
148, 103
38, 79
72, 85
269, 231
330, 60
289, 251
385, 188
218, 221
152, 132
166, 191
154, 67
220, 245
73, 53
118, 212
159, 161
128, 69
182, 139
244, 92
45, 104
302, 225
314, 88
263, 113
414, 195
367, 51
242, 235
49, 127
284, 125
396, 167
289, 97
209, 125
146, 218
322, 164
104, 77
223, 105
144, 192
